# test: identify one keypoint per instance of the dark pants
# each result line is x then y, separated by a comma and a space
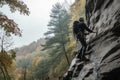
84, 46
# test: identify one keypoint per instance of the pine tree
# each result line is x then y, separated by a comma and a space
57, 36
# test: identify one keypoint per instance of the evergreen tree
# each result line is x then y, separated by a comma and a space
57, 36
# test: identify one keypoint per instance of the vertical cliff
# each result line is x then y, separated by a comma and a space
103, 47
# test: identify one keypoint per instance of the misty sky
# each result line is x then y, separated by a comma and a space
35, 25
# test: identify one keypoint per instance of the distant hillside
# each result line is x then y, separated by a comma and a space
31, 47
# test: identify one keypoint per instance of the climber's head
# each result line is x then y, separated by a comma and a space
81, 19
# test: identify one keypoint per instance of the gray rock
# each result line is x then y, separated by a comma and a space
104, 17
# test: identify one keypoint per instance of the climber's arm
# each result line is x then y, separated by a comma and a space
89, 30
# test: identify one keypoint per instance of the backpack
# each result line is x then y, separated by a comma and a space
78, 31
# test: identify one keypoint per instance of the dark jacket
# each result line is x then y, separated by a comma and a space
83, 27
80, 28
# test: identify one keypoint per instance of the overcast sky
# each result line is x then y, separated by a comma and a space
35, 25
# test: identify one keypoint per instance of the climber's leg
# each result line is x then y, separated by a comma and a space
84, 46
80, 53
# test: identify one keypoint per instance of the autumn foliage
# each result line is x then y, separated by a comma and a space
9, 27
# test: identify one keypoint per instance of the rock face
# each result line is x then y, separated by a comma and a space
104, 47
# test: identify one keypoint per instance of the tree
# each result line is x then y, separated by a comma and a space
41, 70
8, 24
6, 58
25, 63
58, 28
5, 40
57, 36
9, 27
